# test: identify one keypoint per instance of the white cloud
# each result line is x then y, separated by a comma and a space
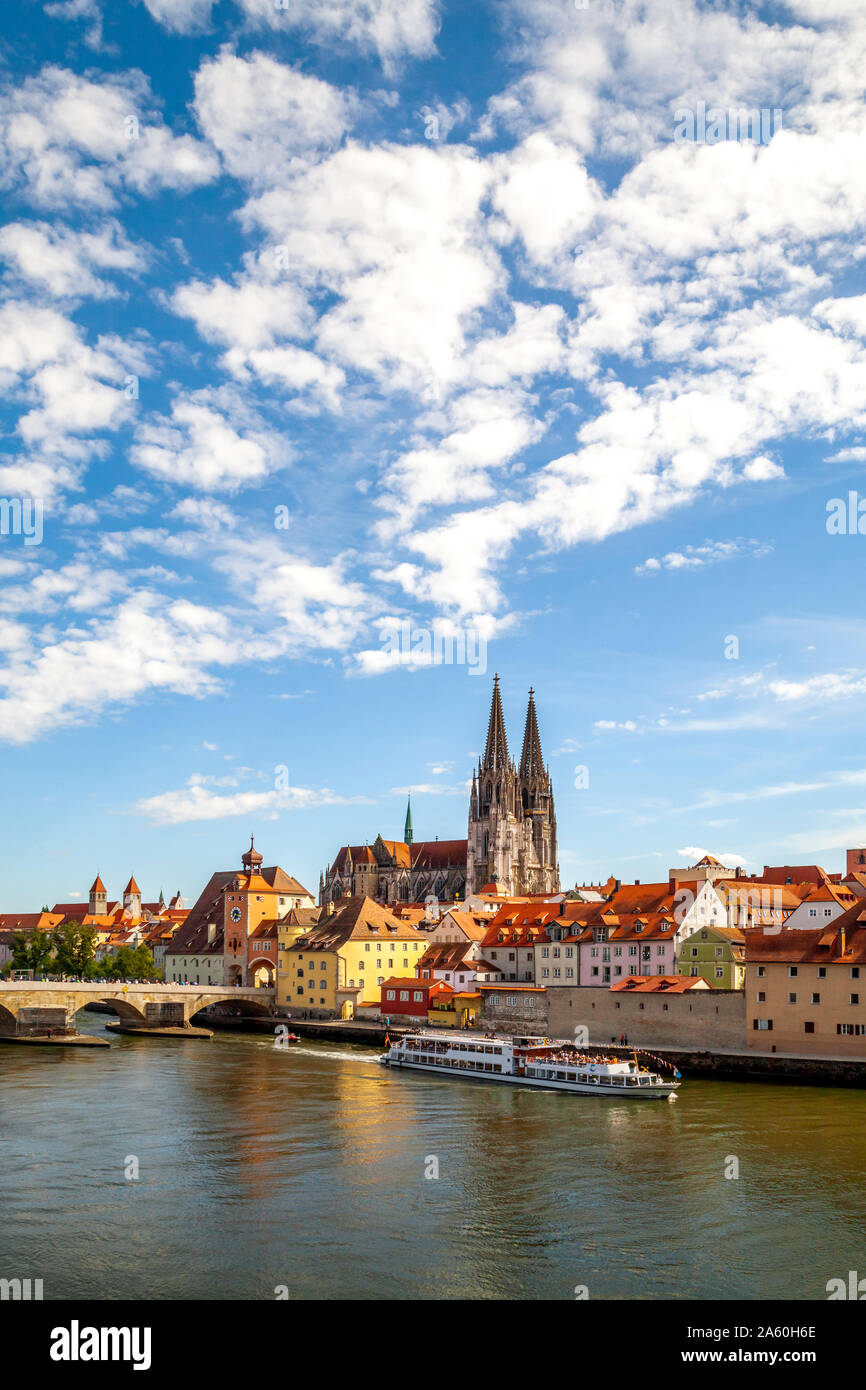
730, 861
75, 142
181, 16
196, 802
394, 29
699, 556
150, 643
763, 470
63, 262
265, 117
206, 447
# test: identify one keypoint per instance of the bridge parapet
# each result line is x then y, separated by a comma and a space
136, 1005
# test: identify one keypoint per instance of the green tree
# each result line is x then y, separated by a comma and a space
128, 964
32, 951
75, 950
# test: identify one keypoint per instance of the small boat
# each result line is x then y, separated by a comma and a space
549, 1064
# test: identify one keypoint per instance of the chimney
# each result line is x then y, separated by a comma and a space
637, 883
672, 884
330, 907
842, 934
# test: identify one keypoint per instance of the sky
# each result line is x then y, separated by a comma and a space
353, 352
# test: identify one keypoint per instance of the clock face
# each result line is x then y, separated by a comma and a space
235, 914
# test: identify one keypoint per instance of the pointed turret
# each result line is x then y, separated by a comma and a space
408, 834
98, 904
531, 761
496, 750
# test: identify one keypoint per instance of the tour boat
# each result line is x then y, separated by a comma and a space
548, 1063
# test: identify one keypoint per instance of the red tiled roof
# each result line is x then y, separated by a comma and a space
659, 984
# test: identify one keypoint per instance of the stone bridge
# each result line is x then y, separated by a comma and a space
29, 1005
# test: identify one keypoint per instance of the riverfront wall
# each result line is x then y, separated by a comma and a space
701, 1019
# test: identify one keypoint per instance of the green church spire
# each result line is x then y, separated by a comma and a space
407, 829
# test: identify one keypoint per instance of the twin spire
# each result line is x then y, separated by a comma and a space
496, 751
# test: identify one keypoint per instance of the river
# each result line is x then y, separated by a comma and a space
303, 1170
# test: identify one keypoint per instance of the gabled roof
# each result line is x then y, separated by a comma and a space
449, 955
429, 986
643, 897
814, 946
794, 873
359, 918
659, 984
30, 921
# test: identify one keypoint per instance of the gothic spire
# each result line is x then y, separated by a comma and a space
496, 751
408, 834
531, 761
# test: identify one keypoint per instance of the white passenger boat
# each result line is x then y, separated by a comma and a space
547, 1063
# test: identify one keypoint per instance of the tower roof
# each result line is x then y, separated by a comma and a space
252, 859
97, 885
496, 750
408, 833
531, 761
132, 886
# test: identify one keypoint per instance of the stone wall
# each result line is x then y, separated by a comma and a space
520, 1011
700, 1019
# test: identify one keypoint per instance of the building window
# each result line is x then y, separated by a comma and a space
816, 999
792, 972
763, 1025
792, 998
808, 1027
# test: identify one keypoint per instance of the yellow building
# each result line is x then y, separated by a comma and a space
339, 965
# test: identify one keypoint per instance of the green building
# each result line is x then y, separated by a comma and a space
715, 954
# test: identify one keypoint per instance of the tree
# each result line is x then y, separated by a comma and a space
128, 964
75, 949
32, 951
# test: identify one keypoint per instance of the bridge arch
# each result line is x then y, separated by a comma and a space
8, 1020
126, 1011
230, 1003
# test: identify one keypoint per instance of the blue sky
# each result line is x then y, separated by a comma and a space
329, 330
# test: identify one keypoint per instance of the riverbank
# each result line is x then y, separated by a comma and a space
719, 1065
328, 1030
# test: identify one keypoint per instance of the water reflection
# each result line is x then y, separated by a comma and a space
305, 1166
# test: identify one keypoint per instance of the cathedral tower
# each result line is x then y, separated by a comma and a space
512, 824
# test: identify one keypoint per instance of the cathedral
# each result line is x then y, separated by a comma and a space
512, 821
511, 840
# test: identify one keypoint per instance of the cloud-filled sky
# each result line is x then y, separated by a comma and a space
336, 337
